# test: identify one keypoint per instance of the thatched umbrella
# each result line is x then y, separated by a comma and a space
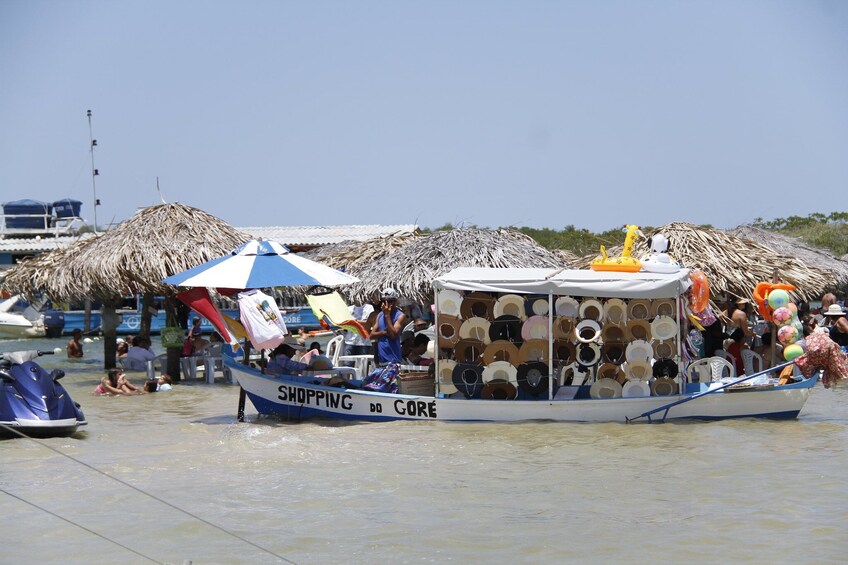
733, 265
354, 255
157, 242
412, 268
567, 257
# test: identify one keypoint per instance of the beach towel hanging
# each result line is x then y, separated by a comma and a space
262, 319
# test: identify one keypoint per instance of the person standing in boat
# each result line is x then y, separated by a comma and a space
839, 324
74, 347
387, 329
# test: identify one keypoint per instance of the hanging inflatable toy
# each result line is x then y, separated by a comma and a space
761, 294
624, 263
658, 259
699, 292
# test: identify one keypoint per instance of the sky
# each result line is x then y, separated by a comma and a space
492, 113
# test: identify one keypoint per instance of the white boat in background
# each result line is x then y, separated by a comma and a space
19, 320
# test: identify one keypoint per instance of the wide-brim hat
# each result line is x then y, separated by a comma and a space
588, 331
506, 328
663, 307
501, 351
498, 390
567, 307
475, 328
633, 389
588, 354
564, 328
637, 329
613, 332
639, 350
468, 379
610, 371
566, 374
535, 327
510, 305
591, 309
533, 350
834, 310
477, 304
538, 307
469, 351
665, 368
664, 349
638, 370
500, 370
664, 387
638, 309
448, 331
605, 388
615, 311
664, 327
564, 351
446, 367
533, 378
448, 302
613, 352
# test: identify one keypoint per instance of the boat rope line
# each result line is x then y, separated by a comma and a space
80, 526
145, 493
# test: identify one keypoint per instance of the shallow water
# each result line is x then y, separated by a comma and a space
742, 491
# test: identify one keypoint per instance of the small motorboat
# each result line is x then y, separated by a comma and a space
32, 401
19, 320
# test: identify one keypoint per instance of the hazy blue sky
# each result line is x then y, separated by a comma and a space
592, 113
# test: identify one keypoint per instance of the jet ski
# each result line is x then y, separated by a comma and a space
32, 401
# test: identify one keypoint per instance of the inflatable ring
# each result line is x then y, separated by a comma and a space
533, 378
699, 294
468, 379
588, 331
761, 292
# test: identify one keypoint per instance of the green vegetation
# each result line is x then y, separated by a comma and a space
818, 230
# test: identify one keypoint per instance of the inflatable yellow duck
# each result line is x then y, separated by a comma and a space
624, 263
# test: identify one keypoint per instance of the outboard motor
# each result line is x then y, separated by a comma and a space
54, 323
32, 401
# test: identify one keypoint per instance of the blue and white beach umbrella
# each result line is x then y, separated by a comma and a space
260, 264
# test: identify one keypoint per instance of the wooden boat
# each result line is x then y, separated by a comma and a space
537, 392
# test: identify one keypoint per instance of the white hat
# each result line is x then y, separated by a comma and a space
636, 388
510, 304
605, 388
639, 350
615, 311
834, 310
536, 327
446, 367
500, 370
591, 309
588, 331
540, 306
389, 294
566, 306
663, 327
448, 302
475, 328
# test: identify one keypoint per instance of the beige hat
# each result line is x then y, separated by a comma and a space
591, 309
638, 370
475, 328
446, 367
639, 309
564, 351
448, 302
512, 305
639, 350
663, 327
500, 370
664, 387
664, 349
662, 308
566, 306
633, 389
469, 351
564, 328
533, 350
610, 371
501, 351
638, 329
615, 311
834, 310
540, 306
605, 388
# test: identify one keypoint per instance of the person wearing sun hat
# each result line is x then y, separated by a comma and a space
838, 325
388, 328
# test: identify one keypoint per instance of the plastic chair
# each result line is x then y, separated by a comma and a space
710, 369
334, 349
752, 361
725, 354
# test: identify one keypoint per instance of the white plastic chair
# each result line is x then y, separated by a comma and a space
725, 354
334, 349
710, 369
752, 361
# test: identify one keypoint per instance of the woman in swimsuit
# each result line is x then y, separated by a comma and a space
116, 383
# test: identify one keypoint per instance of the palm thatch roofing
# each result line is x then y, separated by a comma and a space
133, 258
793, 246
733, 265
567, 257
352, 256
412, 268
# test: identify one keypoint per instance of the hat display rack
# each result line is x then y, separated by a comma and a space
499, 345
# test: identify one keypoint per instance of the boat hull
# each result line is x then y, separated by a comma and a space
299, 398
16, 327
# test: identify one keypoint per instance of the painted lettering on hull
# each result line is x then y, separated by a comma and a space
417, 408
317, 398
342, 401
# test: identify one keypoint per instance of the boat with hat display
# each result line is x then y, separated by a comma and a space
530, 345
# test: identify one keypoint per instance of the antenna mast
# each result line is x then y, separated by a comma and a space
94, 172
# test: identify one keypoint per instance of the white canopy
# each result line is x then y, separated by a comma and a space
565, 282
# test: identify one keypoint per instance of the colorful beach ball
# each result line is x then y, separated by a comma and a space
782, 316
778, 298
792, 352
787, 334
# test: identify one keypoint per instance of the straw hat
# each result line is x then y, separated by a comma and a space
664, 349
605, 388
498, 390
566, 374
469, 351
477, 304
664, 387
610, 371
591, 309
834, 310
505, 327
564, 328
510, 305
612, 332
588, 331
588, 354
446, 367
501, 351
475, 328
448, 331
535, 327
637, 329
633, 389
663, 307
468, 379
663, 327
500, 370
638, 370
533, 350
613, 352
566, 306
533, 378
539, 306
639, 309
564, 351
639, 350
448, 302
615, 311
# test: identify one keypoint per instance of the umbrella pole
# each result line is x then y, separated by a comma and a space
243, 395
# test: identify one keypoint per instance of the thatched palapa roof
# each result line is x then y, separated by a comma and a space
733, 265
157, 242
352, 256
412, 268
